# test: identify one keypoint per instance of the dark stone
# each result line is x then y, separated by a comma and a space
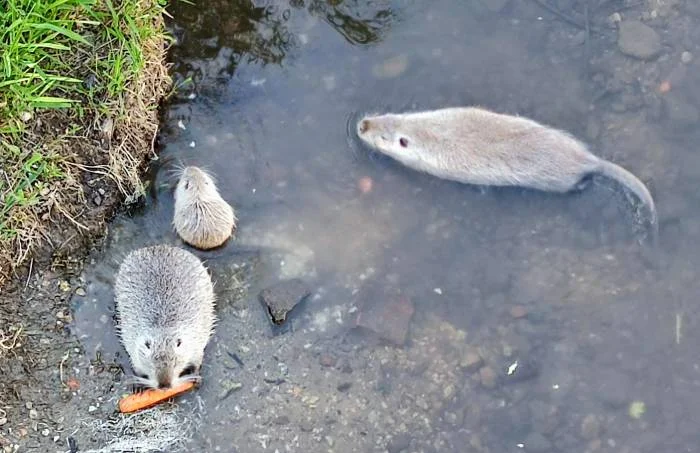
281, 420
282, 297
638, 40
399, 443
385, 312
528, 368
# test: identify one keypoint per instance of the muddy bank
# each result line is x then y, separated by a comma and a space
77, 165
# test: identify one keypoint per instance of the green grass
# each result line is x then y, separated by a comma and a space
36, 39
69, 63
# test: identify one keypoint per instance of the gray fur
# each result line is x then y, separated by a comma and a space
165, 310
202, 217
476, 146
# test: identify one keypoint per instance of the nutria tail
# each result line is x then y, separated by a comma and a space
634, 184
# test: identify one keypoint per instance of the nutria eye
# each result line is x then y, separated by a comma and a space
147, 344
187, 371
187, 185
179, 342
403, 142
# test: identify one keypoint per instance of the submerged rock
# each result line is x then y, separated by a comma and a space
282, 297
385, 312
638, 40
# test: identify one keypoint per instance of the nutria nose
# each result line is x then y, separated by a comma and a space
364, 126
164, 384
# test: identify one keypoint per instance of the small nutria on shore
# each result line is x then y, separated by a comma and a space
165, 314
476, 146
202, 218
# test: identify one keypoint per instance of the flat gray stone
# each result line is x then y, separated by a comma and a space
282, 297
638, 40
384, 311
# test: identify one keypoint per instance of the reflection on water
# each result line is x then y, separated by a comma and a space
536, 322
359, 21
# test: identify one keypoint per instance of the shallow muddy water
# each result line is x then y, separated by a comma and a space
537, 321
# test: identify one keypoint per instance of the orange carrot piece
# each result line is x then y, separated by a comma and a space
151, 397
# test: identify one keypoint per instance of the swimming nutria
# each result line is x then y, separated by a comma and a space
165, 311
202, 217
476, 146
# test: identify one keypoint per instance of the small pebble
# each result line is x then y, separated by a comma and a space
518, 311
33, 414
73, 384
327, 360
92, 409
3, 421
590, 427
615, 18
45, 432
488, 377
181, 125
80, 292
281, 420
365, 185
470, 361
